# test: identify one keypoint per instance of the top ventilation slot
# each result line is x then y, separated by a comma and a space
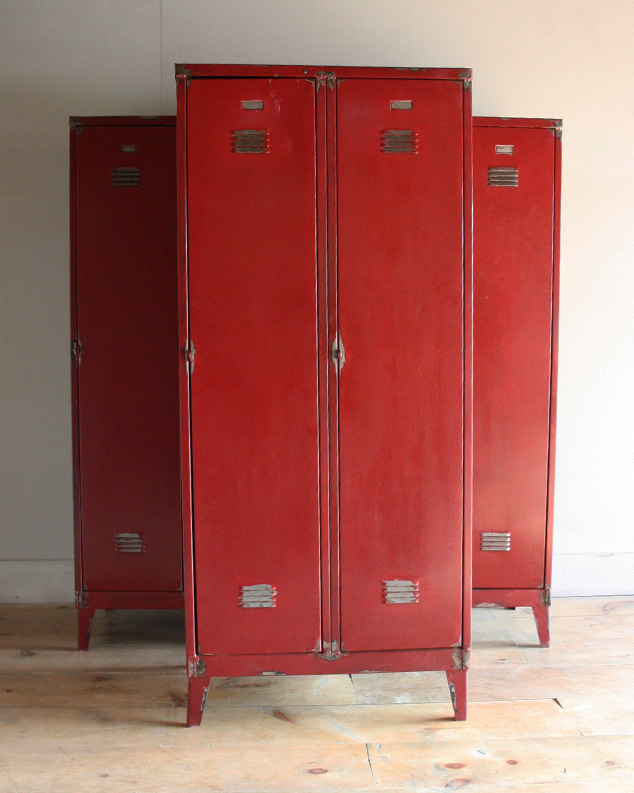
125, 177
399, 141
401, 104
250, 141
503, 177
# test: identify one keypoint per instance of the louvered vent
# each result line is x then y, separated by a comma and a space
399, 141
125, 177
258, 596
495, 541
400, 591
503, 177
250, 141
129, 542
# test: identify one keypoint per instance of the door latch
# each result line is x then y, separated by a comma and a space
190, 353
75, 351
338, 354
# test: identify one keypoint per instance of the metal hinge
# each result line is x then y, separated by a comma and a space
196, 667
190, 353
80, 600
75, 351
338, 354
461, 658
330, 652
546, 597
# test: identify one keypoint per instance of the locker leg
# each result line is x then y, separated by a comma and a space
85, 619
542, 620
196, 696
457, 679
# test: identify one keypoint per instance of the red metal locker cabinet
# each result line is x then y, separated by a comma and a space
325, 316
516, 197
124, 328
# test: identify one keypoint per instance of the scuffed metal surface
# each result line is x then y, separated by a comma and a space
196, 667
461, 658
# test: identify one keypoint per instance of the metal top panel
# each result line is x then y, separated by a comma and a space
257, 70
124, 121
506, 122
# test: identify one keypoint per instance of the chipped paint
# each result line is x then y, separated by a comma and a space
454, 699
196, 667
461, 658
546, 597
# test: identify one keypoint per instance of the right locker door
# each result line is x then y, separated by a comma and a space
400, 298
513, 195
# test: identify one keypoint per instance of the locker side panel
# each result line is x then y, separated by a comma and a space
127, 376
400, 259
254, 388
513, 287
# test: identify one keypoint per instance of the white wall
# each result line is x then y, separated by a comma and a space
556, 58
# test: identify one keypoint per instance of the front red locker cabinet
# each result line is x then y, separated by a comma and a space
325, 283
124, 326
516, 190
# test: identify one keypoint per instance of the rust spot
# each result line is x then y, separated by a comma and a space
27, 653
279, 714
317, 770
104, 776
178, 700
454, 765
8, 691
512, 762
610, 762
102, 678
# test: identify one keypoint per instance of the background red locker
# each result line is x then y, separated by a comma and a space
124, 334
516, 183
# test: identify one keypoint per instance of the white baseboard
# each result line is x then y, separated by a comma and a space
586, 574
575, 574
37, 581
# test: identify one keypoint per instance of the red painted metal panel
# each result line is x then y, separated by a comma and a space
191, 638
400, 284
513, 334
126, 384
467, 160
254, 389
198, 70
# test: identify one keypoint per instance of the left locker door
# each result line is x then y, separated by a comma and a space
128, 370
254, 387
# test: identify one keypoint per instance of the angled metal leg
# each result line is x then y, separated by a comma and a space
196, 696
542, 619
457, 680
85, 617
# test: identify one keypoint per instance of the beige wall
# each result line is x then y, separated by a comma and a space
562, 58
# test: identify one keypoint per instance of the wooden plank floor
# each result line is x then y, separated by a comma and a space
541, 721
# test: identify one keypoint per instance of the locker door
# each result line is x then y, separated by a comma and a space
513, 270
400, 264
254, 390
127, 308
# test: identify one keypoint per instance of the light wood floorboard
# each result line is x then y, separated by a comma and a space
540, 721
